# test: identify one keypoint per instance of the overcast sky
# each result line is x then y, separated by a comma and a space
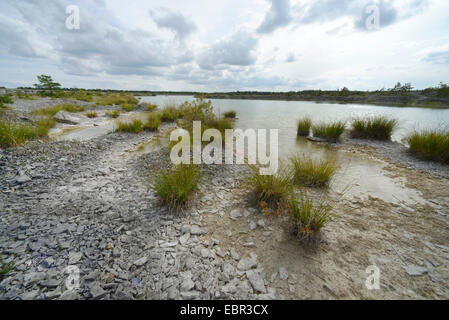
227, 45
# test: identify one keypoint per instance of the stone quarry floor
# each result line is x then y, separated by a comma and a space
87, 204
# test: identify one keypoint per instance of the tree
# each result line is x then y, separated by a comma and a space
47, 84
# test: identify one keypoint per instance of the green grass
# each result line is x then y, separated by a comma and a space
117, 99
24, 96
312, 173
128, 107
304, 126
169, 114
51, 111
92, 114
270, 188
309, 217
430, 145
176, 186
113, 114
331, 132
6, 99
151, 107
230, 114
135, 126
153, 122
377, 128
14, 134
5, 268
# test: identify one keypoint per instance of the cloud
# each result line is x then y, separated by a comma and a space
440, 56
291, 57
173, 21
236, 50
278, 16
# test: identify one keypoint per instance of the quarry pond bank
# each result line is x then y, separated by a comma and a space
87, 203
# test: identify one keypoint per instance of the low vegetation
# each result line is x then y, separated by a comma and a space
304, 126
312, 173
5, 268
124, 100
135, 126
6, 99
51, 111
430, 145
270, 188
308, 217
230, 114
21, 95
377, 128
113, 114
92, 114
151, 107
331, 132
176, 186
14, 134
153, 122
169, 114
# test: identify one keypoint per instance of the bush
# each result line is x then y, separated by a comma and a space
13, 134
230, 114
153, 122
312, 173
135, 126
91, 115
430, 145
308, 217
6, 99
304, 126
270, 188
51, 111
378, 128
169, 114
175, 186
330, 132
113, 114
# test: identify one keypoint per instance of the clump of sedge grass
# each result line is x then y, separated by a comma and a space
308, 217
377, 128
230, 114
5, 268
151, 107
176, 186
14, 134
117, 99
304, 126
92, 114
135, 126
113, 114
312, 173
51, 111
128, 107
430, 145
270, 188
331, 132
169, 114
153, 122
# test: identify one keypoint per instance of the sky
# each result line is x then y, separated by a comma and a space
199, 45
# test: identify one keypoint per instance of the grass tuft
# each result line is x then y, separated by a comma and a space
377, 128
113, 114
270, 188
51, 111
331, 132
169, 114
5, 268
230, 114
312, 173
135, 126
304, 126
153, 122
14, 134
117, 99
175, 186
92, 114
430, 145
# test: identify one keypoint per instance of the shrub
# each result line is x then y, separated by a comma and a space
13, 134
308, 217
270, 188
230, 114
6, 99
113, 114
91, 115
330, 132
430, 145
153, 122
304, 126
169, 114
312, 173
378, 128
51, 111
135, 126
175, 186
